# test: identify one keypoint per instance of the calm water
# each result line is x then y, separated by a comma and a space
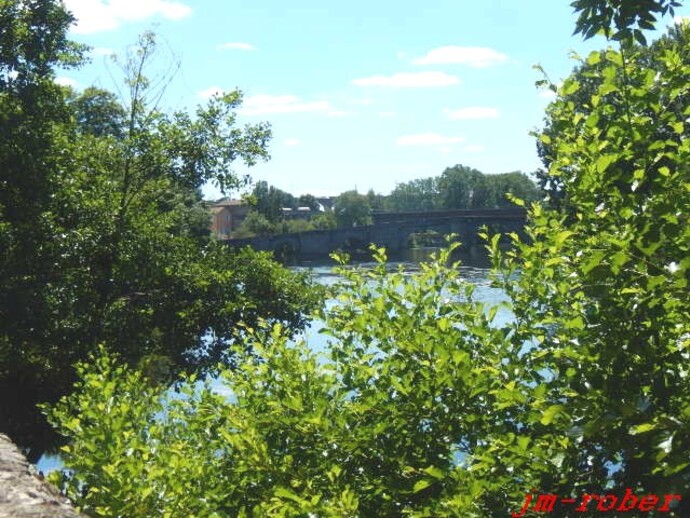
475, 269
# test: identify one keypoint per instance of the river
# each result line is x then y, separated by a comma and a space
474, 268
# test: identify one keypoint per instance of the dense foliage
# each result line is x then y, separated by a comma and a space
605, 284
103, 236
427, 403
255, 224
623, 20
586, 95
32, 43
269, 201
462, 187
290, 433
458, 187
352, 209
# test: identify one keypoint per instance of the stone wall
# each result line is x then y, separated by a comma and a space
22, 493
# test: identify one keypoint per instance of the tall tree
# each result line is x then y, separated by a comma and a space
98, 112
377, 202
120, 255
32, 109
458, 186
499, 186
605, 289
426, 405
416, 195
269, 201
352, 210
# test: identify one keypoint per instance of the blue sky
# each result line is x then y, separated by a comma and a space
360, 94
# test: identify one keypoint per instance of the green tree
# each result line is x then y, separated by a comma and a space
515, 184
269, 201
98, 112
460, 187
32, 109
457, 187
255, 224
352, 209
416, 195
309, 200
325, 221
588, 75
373, 429
426, 405
377, 202
297, 225
121, 255
603, 286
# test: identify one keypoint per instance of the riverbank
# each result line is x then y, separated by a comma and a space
22, 493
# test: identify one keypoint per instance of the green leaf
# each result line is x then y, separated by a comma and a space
604, 161
575, 323
592, 261
570, 87
618, 260
420, 485
283, 492
434, 472
642, 428
550, 414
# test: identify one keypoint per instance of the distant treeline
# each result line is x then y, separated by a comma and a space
458, 187
461, 187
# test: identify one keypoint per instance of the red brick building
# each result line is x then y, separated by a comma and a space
226, 216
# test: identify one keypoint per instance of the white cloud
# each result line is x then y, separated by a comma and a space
291, 142
427, 139
473, 148
103, 15
262, 104
409, 80
445, 149
472, 112
66, 81
387, 114
680, 20
236, 46
210, 92
477, 57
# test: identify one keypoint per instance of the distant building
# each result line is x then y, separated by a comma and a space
227, 216
326, 202
298, 213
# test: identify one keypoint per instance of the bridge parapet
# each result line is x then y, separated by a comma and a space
390, 230
455, 214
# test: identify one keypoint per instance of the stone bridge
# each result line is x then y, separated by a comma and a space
391, 230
